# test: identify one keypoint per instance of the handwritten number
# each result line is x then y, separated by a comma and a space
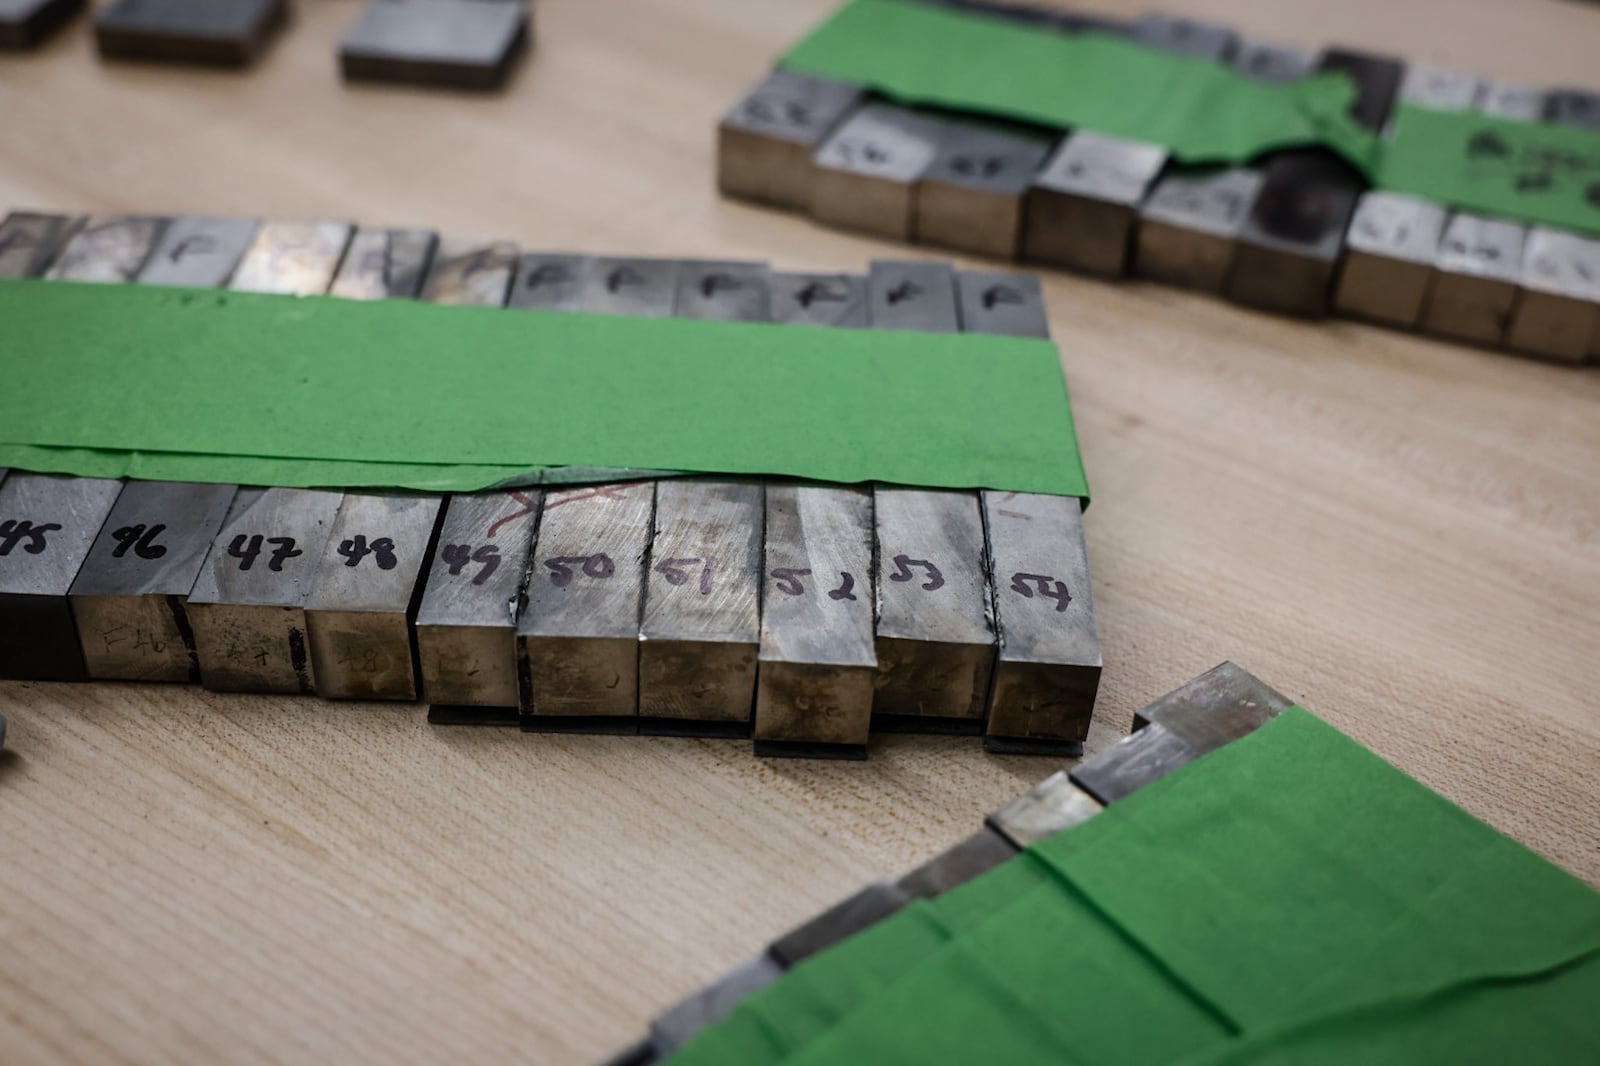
141, 540
247, 549
843, 592
598, 566
457, 556
381, 549
1047, 586
676, 571
903, 565
788, 580
12, 531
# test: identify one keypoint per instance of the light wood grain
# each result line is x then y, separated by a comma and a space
1402, 534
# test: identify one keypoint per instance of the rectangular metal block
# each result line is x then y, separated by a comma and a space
248, 606
677, 1025
1557, 310
1048, 670
578, 638
1273, 64
701, 625
1377, 79
1289, 247
1390, 249
1043, 811
1573, 107
1475, 281
1083, 205
549, 282
198, 252
227, 33
819, 300
470, 273
1008, 304
817, 664
838, 923
464, 44
641, 287
911, 295
765, 143
47, 525
726, 292
1509, 100
976, 855
131, 595
1440, 88
108, 248
1185, 37
292, 258
971, 196
25, 23
1190, 226
384, 264
467, 621
30, 241
864, 175
1219, 692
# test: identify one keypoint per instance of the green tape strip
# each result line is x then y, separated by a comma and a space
1290, 898
279, 390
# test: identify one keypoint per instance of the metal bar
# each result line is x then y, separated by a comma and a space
1508, 100
838, 923
547, 282
1288, 249
1082, 207
723, 291
292, 258
971, 196
1043, 811
1390, 250
1573, 107
108, 248
30, 241
643, 287
470, 273
864, 176
198, 252
1557, 309
1189, 227
1186, 37
26, 23
1475, 282
765, 143
228, 33
463, 44
838, 300
385, 264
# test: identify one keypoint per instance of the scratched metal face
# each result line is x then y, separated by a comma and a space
47, 525
1103, 168
866, 170
109, 248
292, 258
1390, 250
1574, 107
1558, 311
248, 606
793, 107
1439, 88
912, 296
1082, 207
819, 300
452, 33
1482, 247
1010, 305
1044, 810
549, 282
467, 622
640, 287
1185, 37
1189, 227
1475, 280
29, 241
1271, 63
701, 622
130, 596
1507, 100
1220, 689
726, 292
579, 632
987, 160
971, 196
1397, 227
198, 252
471, 273
1289, 247
384, 264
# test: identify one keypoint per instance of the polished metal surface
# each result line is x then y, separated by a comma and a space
470, 273
971, 196
1557, 311
248, 606
1008, 304
108, 248
549, 282
1273, 64
641, 287
384, 264
727, 292
1190, 226
1083, 205
1390, 249
1289, 247
578, 637
198, 251
817, 664
1185, 37
1509, 100
30, 241
864, 175
912, 295
765, 143
819, 299
292, 258
1043, 811
1476, 274
47, 525
130, 597
467, 44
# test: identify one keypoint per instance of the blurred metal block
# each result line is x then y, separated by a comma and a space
108, 248
131, 595
1389, 254
1185, 37
1289, 247
1273, 64
30, 241
728, 292
954, 867
817, 665
26, 23
1506, 100
198, 252
971, 196
1573, 107
248, 606
1377, 79
865, 174
1475, 282
549, 282
292, 258
578, 637
463, 44
1046, 809
384, 264
227, 33
1083, 205
765, 144
1008, 304
641, 287
677, 1025
1557, 311
838, 923
819, 300
470, 273
1190, 226
47, 525
1220, 691
912, 295
1440, 88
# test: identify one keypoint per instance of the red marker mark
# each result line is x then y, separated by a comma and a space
1014, 514
610, 492
527, 509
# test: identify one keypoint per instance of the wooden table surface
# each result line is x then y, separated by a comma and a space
1403, 534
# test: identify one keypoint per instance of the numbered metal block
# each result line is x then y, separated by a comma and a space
817, 665
838, 923
364, 597
1475, 283
978, 854
227, 33
727, 292
819, 300
1439, 88
765, 144
1389, 254
1220, 691
131, 595
1083, 205
1046, 809
30, 241
467, 622
1008, 304
1508, 100
198, 252
578, 638
1190, 226
1573, 107
384, 264
1273, 64
909, 295
464, 44
292, 258
1377, 79
641, 287
1289, 246
1048, 671
971, 196
25, 23
676, 1026
47, 525
1185, 37
864, 176
702, 609
549, 282
1557, 311
471, 273
248, 607
108, 248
